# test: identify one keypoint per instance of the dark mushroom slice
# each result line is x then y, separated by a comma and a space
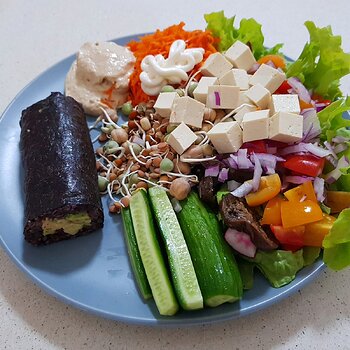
236, 215
62, 199
207, 190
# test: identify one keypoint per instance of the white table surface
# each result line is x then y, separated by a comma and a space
36, 34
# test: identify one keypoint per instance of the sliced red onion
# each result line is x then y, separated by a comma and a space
307, 112
319, 189
223, 175
232, 161
212, 171
297, 179
242, 159
340, 148
217, 98
320, 106
317, 150
232, 185
243, 190
340, 139
332, 160
241, 242
330, 148
300, 89
257, 173
306, 147
254, 68
335, 174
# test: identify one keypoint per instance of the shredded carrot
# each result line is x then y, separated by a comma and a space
159, 43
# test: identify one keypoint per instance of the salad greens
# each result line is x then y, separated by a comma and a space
279, 266
336, 245
331, 119
249, 32
322, 62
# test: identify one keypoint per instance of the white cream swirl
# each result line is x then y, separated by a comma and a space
158, 71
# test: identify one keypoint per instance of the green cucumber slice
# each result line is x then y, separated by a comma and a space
181, 267
134, 255
151, 256
213, 260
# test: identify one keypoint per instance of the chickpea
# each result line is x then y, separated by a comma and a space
181, 167
119, 135
180, 188
194, 151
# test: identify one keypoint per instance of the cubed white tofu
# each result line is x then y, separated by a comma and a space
268, 77
235, 77
286, 127
164, 103
243, 98
259, 95
240, 56
226, 137
215, 65
181, 138
256, 125
222, 96
284, 103
188, 110
201, 91
242, 111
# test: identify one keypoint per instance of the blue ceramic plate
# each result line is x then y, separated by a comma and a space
93, 272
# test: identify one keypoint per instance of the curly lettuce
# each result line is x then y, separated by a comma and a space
322, 63
249, 32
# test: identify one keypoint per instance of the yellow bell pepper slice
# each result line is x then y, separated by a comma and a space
301, 192
269, 187
272, 212
316, 231
296, 213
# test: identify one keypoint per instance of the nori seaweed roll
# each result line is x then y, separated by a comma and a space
62, 199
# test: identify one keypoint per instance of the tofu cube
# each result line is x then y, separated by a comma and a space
240, 56
243, 98
268, 77
242, 111
188, 110
226, 137
286, 127
181, 138
215, 65
164, 103
256, 125
284, 103
259, 95
235, 77
222, 96
201, 91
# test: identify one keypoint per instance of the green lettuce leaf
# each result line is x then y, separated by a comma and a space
336, 245
279, 266
310, 255
249, 32
322, 62
331, 118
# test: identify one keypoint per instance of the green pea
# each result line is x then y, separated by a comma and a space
166, 165
110, 147
102, 183
167, 88
191, 88
133, 179
127, 108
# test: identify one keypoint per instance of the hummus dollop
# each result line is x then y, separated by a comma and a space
100, 72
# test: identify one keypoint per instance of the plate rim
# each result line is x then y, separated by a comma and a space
172, 321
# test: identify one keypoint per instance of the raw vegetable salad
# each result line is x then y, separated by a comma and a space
250, 149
